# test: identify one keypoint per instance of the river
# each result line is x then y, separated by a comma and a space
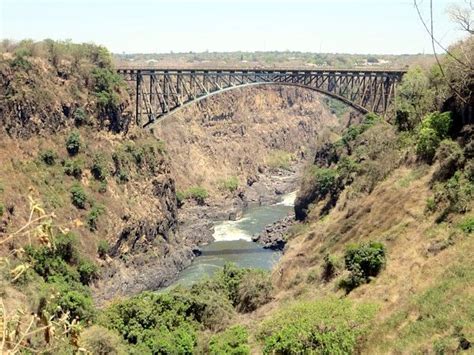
233, 242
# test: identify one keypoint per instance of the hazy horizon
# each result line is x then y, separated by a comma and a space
381, 27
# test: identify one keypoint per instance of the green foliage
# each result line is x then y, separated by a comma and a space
80, 117
233, 340
74, 167
336, 107
415, 98
231, 184
279, 159
155, 323
99, 167
107, 84
434, 128
324, 327
454, 195
467, 225
324, 180
144, 156
88, 271
427, 143
78, 196
363, 261
103, 248
2, 209
331, 266
354, 131
48, 157
73, 143
197, 193
93, 216
68, 297
66, 276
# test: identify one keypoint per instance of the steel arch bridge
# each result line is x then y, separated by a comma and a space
160, 92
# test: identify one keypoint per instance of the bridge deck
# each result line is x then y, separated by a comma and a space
151, 70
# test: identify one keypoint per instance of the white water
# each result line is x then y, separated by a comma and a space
253, 221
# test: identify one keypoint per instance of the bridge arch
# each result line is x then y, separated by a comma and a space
161, 92
152, 122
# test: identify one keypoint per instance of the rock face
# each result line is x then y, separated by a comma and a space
235, 134
274, 236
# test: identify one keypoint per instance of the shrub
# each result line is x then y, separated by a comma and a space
197, 193
232, 341
74, 167
330, 267
434, 128
231, 184
48, 157
68, 298
323, 327
363, 261
99, 167
80, 117
427, 143
66, 247
2, 209
100, 340
73, 143
157, 323
78, 196
467, 225
93, 216
103, 248
454, 195
88, 271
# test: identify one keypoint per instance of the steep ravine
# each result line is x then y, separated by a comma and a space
230, 135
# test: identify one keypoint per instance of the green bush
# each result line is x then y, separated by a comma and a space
69, 298
2, 209
103, 248
88, 271
78, 196
364, 261
197, 193
434, 128
80, 117
331, 266
74, 167
233, 340
414, 99
93, 216
154, 323
99, 167
73, 143
231, 184
320, 327
48, 157
454, 195
467, 225
427, 143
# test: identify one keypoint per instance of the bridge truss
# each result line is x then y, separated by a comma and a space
160, 92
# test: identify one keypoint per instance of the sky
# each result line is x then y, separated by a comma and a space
161, 26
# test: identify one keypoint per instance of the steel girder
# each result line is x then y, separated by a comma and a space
160, 92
